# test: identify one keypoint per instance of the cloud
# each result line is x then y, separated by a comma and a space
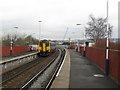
56, 15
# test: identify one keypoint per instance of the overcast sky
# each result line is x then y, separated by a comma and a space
56, 16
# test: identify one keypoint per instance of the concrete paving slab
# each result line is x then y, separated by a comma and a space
82, 73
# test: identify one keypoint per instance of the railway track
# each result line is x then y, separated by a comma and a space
56, 71
18, 77
46, 81
15, 72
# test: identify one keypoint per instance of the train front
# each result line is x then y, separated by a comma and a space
43, 48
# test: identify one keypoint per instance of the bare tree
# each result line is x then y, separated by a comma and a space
6, 40
97, 28
18, 40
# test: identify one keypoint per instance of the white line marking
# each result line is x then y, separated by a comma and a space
61, 64
13, 59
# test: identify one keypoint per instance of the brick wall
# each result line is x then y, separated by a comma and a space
0, 51
5, 51
81, 50
114, 64
98, 56
101, 43
72, 47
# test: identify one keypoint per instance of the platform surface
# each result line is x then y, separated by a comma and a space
78, 72
82, 74
5, 58
63, 77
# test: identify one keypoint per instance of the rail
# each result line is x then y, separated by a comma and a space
63, 57
30, 82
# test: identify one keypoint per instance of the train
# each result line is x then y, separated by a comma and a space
45, 47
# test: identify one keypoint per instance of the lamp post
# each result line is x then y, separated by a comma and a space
78, 41
15, 33
11, 43
31, 38
16, 30
39, 29
107, 46
84, 42
16, 27
70, 41
73, 39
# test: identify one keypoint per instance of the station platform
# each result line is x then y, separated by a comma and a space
4, 58
79, 72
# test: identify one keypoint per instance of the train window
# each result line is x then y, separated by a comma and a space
47, 43
40, 44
